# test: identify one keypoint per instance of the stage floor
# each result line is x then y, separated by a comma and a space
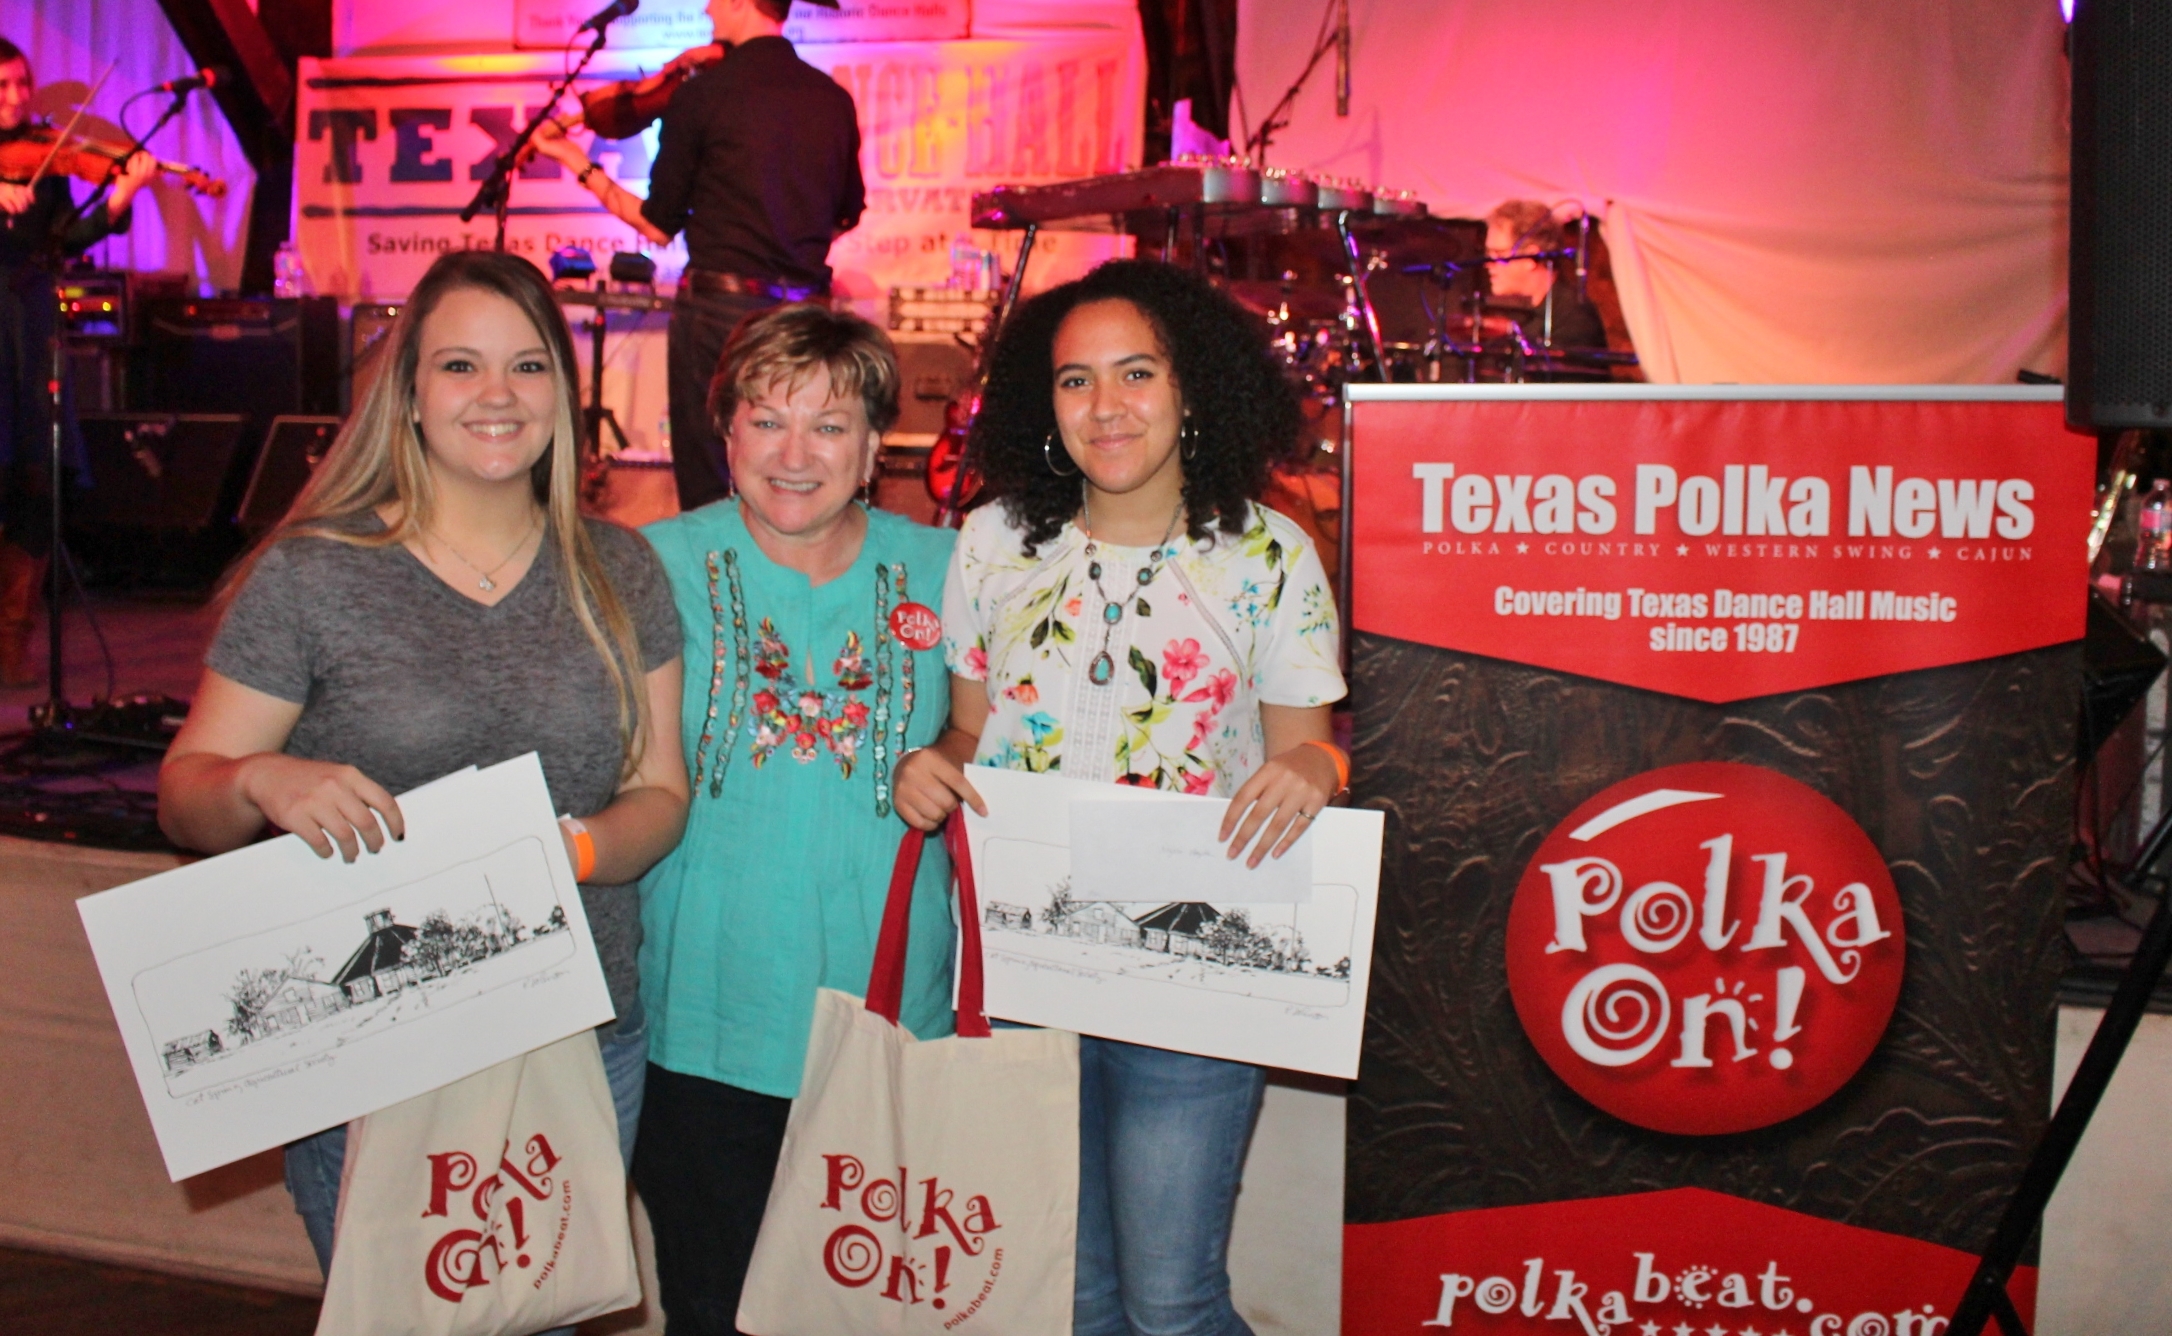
157, 646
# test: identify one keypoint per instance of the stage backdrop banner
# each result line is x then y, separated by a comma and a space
389, 149
550, 24
1726, 741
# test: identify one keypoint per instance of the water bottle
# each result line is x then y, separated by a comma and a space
964, 261
2153, 550
287, 271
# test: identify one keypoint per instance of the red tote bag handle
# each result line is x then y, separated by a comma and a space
886, 981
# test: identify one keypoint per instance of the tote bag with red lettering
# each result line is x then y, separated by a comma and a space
495, 1206
926, 1186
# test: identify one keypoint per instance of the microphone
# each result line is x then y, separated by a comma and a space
210, 76
608, 15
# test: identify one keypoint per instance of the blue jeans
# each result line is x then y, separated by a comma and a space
1162, 1138
314, 1163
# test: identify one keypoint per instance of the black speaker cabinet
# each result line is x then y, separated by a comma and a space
258, 356
292, 450
2119, 352
161, 472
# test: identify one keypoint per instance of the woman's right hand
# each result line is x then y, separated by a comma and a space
323, 803
929, 786
15, 198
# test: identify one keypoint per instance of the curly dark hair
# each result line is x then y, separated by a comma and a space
1243, 408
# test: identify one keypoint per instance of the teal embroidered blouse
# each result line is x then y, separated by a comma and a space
799, 701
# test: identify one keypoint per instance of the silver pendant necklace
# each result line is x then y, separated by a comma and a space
1102, 670
485, 582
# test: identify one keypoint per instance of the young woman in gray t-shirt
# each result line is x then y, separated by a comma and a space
434, 600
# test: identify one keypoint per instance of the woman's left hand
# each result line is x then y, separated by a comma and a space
140, 170
552, 142
1279, 802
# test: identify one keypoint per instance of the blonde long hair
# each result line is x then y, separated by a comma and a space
378, 458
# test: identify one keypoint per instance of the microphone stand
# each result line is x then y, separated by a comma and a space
496, 191
55, 717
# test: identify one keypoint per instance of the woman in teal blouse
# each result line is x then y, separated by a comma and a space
813, 666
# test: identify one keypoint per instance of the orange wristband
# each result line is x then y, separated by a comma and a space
1342, 762
584, 847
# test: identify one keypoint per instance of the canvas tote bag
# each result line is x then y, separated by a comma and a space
495, 1206
925, 1186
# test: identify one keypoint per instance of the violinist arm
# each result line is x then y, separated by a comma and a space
551, 141
135, 174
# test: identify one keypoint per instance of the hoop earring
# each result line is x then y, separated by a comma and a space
1048, 455
1188, 440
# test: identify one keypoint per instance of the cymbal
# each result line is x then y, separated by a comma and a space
1307, 301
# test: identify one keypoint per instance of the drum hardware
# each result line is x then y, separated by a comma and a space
597, 415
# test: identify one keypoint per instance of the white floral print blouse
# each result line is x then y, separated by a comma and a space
1225, 625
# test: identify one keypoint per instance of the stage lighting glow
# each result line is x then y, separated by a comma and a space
2066, 10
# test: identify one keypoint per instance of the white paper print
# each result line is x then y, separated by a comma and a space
269, 994
1117, 847
1282, 985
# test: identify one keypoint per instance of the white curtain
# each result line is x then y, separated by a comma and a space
1795, 191
70, 43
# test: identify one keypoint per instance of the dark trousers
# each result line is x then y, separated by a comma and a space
701, 322
704, 1161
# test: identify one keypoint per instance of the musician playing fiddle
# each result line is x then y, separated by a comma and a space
30, 216
759, 164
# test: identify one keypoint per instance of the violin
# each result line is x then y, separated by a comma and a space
625, 108
87, 159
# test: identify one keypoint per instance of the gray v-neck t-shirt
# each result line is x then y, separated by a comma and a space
406, 679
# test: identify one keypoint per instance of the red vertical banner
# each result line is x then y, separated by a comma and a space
1721, 549
1726, 741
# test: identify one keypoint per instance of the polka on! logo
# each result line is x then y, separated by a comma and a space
1706, 948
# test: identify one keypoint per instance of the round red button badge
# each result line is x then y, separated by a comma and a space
1706, 948
916, 626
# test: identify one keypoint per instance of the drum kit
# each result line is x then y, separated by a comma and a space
1355, 283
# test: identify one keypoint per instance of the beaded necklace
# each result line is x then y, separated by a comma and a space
888, 722
1102, 670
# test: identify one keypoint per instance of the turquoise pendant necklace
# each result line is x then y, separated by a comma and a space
1102, 670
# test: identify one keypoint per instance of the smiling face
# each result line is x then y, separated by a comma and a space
485, 394
799, 454
1118, 407
15, 91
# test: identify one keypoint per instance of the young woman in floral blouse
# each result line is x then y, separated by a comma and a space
1126, 612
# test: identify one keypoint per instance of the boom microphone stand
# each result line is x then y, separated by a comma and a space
496, 191
55, 717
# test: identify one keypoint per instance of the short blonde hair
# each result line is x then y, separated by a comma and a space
786, 343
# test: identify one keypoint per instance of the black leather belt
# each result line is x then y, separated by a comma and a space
739, 285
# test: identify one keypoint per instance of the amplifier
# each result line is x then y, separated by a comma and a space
259, 357
94, 305
932, 369
292, 451
165, 472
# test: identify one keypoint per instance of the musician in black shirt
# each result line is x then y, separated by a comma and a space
1552, 314
39, 224
760, 166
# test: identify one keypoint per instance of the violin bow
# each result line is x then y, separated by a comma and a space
69, 128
